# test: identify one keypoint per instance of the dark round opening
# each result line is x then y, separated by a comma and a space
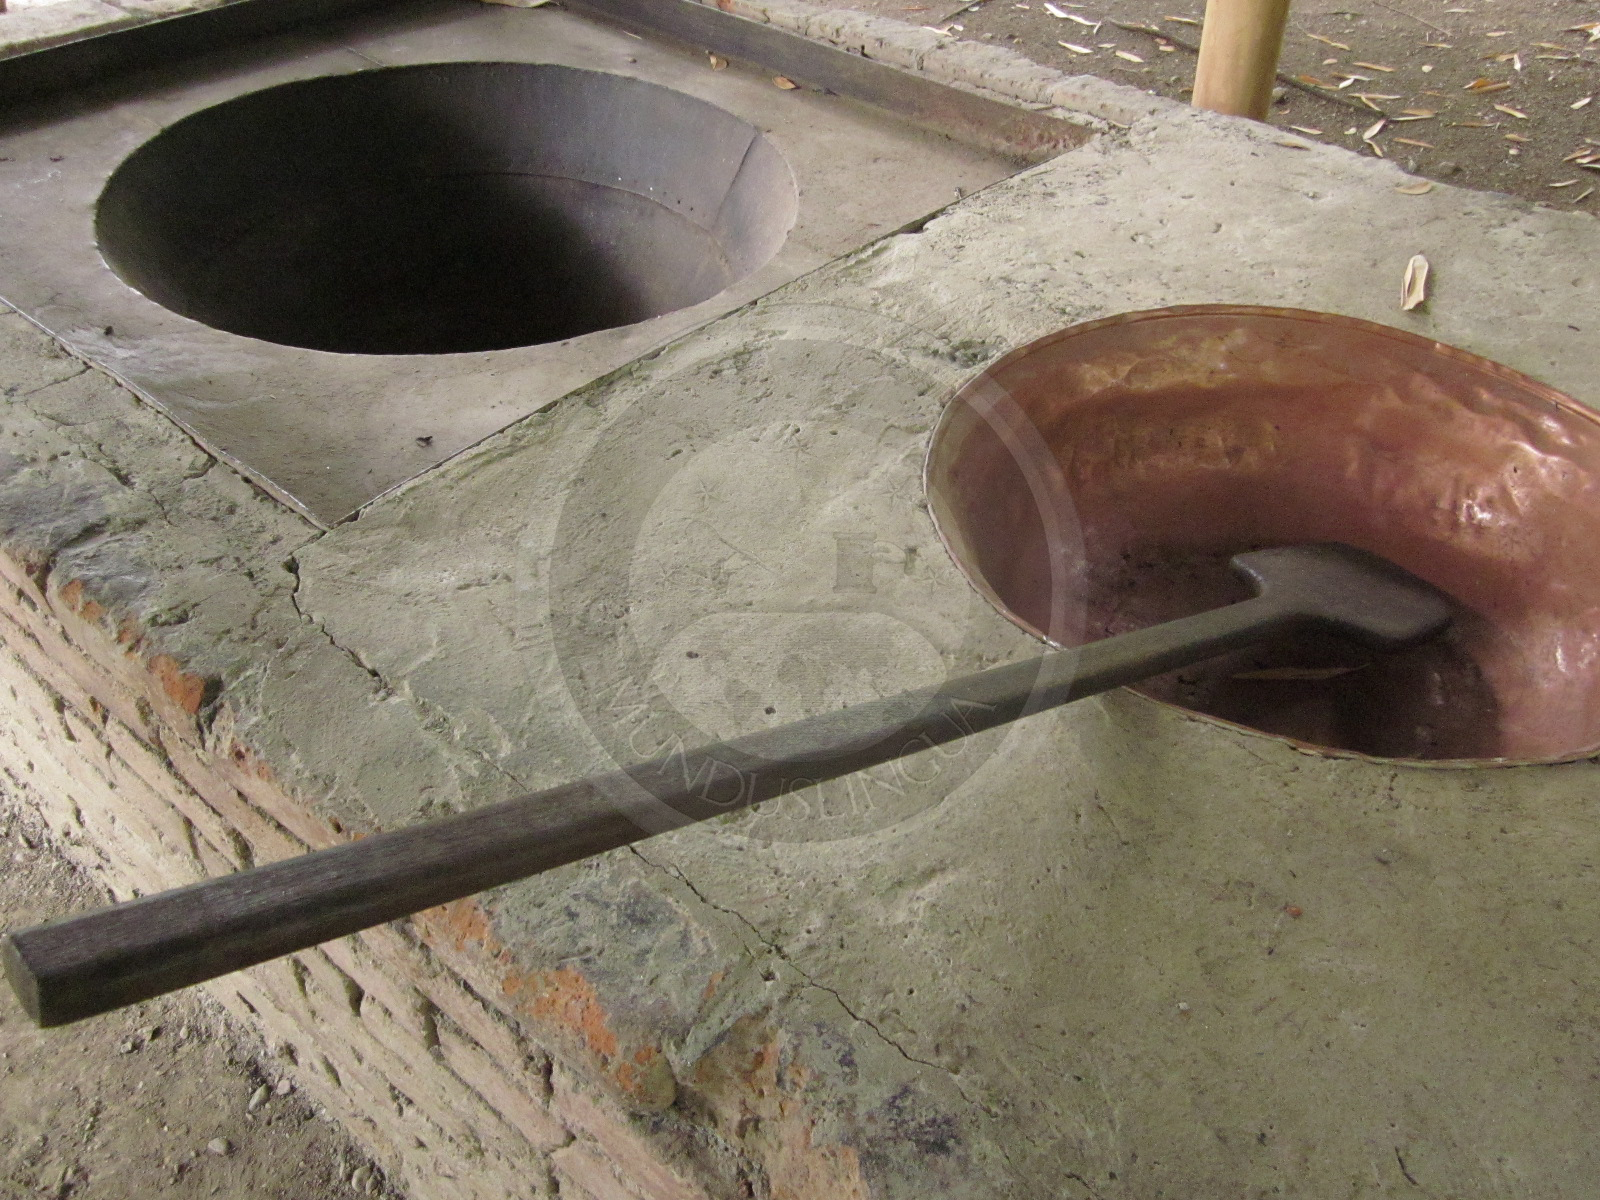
1176, 439
445, 208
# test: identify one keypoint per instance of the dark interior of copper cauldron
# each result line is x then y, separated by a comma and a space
1169, 441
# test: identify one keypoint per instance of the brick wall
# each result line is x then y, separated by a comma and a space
109, 746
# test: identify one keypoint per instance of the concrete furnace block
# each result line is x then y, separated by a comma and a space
1115, 950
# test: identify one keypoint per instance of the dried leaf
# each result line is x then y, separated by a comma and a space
1515, 137
1511, 112
1317, 37
1292, 144
1076, 49
1438, 45
1506, 57
1592, 30
1312, 80
1414, 286
1565, 183
1583, 195
784, 82
1306, 129
1312, 674
1584, 103
1409, 142
1375, 130
1417, 187
718, 63
1474, 125
1486, 85
1373, 66
1182, 20
1498, 33
1417, 114
1123, 54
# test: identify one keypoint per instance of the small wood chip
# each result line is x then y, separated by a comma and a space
718, 63
1417, 187
1414, 285
1063, 15
784, 82
1511, 112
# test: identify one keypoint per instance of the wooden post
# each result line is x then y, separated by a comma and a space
1239, 56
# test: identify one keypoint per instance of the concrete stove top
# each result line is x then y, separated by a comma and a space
1119, 950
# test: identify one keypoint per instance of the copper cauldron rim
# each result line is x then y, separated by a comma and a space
1558, 399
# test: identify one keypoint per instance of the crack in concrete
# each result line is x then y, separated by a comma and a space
777, 950
83, 369
292, 565
433, 720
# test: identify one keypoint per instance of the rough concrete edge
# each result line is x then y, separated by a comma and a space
94, 536
992, 70
44, 28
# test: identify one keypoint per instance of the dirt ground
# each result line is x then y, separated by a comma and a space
1500, 95
171, 1099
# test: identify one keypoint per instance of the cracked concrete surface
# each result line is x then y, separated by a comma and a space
1058, 959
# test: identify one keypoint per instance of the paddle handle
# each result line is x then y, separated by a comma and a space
83, 965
